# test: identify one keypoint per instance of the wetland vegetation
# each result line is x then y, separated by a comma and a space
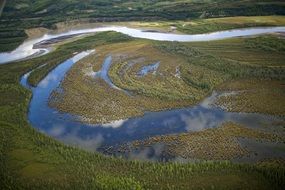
147, 77
31, 160
203, 66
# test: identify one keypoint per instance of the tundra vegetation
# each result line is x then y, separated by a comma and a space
187, 72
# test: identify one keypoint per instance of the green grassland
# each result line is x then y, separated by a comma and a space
30, 160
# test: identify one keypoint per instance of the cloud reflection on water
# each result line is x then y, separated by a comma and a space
200, 120
114, 124
47, 80
66, 128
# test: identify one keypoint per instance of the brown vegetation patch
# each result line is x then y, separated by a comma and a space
255, 96
97, 102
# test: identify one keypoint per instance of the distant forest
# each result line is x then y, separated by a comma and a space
19, 15
119, 10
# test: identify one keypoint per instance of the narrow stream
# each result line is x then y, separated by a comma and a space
103, 74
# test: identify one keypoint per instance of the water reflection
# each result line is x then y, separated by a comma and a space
27, 49
148, 68
114, 124
24, 80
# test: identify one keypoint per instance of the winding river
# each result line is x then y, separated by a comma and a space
30, 49
66, 128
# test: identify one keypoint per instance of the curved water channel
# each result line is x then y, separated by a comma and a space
34, 47
66, 128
